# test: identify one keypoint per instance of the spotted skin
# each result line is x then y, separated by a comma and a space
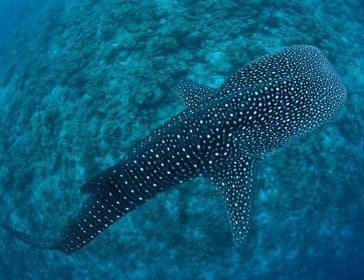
193, 95
221, 135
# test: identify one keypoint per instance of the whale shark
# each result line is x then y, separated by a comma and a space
221, 136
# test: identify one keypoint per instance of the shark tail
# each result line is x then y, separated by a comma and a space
109, 199
31, 240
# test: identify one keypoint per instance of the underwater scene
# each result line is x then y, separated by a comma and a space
240, 124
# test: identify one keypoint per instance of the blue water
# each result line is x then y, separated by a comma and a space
81, 81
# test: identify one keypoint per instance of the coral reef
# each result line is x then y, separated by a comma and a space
81, 81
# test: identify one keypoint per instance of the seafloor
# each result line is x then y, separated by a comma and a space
81, 81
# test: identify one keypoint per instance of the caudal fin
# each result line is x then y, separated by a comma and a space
109, 199
31, 240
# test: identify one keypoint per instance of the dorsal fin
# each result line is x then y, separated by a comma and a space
192, 95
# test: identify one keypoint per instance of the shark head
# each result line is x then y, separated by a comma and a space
284, 95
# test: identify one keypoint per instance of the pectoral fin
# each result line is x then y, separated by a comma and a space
236, 184
193, 95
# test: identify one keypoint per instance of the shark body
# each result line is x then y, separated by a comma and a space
221, 136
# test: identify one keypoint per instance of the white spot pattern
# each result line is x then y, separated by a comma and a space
220, 136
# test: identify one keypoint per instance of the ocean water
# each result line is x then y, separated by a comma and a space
82, 81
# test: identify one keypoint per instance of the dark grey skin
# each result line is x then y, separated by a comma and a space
220, 136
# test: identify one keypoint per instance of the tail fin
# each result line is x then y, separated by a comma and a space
31, 240
109, 199
98, 212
